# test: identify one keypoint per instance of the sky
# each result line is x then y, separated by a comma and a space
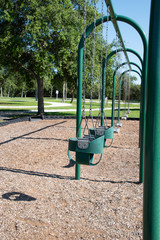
139, 11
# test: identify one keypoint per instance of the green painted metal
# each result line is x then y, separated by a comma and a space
122, 64
131, 63
85, 156
113, 93
133, 70
115, 24
80, 71
143, 86
113, 97
109, 133
78, 170
79, 82
114, 82
119, 98
120, 89
106, 131
151, 206
80, 65
143, 90
103, 76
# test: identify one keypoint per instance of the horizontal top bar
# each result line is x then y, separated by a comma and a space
113, 19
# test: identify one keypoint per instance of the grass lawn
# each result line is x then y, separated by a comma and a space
28, 104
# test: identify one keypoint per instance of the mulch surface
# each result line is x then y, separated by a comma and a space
40, 198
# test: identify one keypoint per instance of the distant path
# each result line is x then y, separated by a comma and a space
55, 104
51, 104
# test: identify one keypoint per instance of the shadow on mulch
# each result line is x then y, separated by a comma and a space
22, 136
17, 196
33, 173
41, 174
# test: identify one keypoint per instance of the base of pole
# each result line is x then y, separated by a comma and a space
78, 172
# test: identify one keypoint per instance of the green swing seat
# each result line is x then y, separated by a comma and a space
85, 149
102, 130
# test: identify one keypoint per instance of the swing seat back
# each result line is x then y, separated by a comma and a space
109, 133
97, 131
85, 149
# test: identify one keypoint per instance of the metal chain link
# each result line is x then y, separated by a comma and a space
129, 90
93, 56
84, 59
106, 53
107, 32
101, 53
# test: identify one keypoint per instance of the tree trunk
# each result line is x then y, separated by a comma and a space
99, 94
25, 94
72, 96
51, 95
40, 96
22, 93
63, 97
1, 92
65, 90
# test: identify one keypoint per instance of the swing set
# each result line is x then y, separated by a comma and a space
86, 147
93, 142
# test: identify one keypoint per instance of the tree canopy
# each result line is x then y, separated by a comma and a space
39, 40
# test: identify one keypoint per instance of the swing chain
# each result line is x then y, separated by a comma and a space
129, 90
106, 54
93, 56
84, 59
102, 15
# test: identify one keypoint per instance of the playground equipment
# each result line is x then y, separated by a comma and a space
151, 222
119, 80
92, 143
114, 79
143, 83
102, 128
151, 209
141, 133
89, 29
103, 71
118, 124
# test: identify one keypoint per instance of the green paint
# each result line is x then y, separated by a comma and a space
143, 85
151, 209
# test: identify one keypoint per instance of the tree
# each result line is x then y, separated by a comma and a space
3, 75
135, 92
39, 36
31, 31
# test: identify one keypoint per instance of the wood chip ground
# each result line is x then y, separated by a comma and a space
41, 200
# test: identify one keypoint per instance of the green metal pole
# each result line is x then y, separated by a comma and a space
133, 70
122, 64
103, 92
79, 100
131, 63
151, 207
120, 88
79, 84
113, 98
119, 98
143, 90
116, 27
103, 75
143, 87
